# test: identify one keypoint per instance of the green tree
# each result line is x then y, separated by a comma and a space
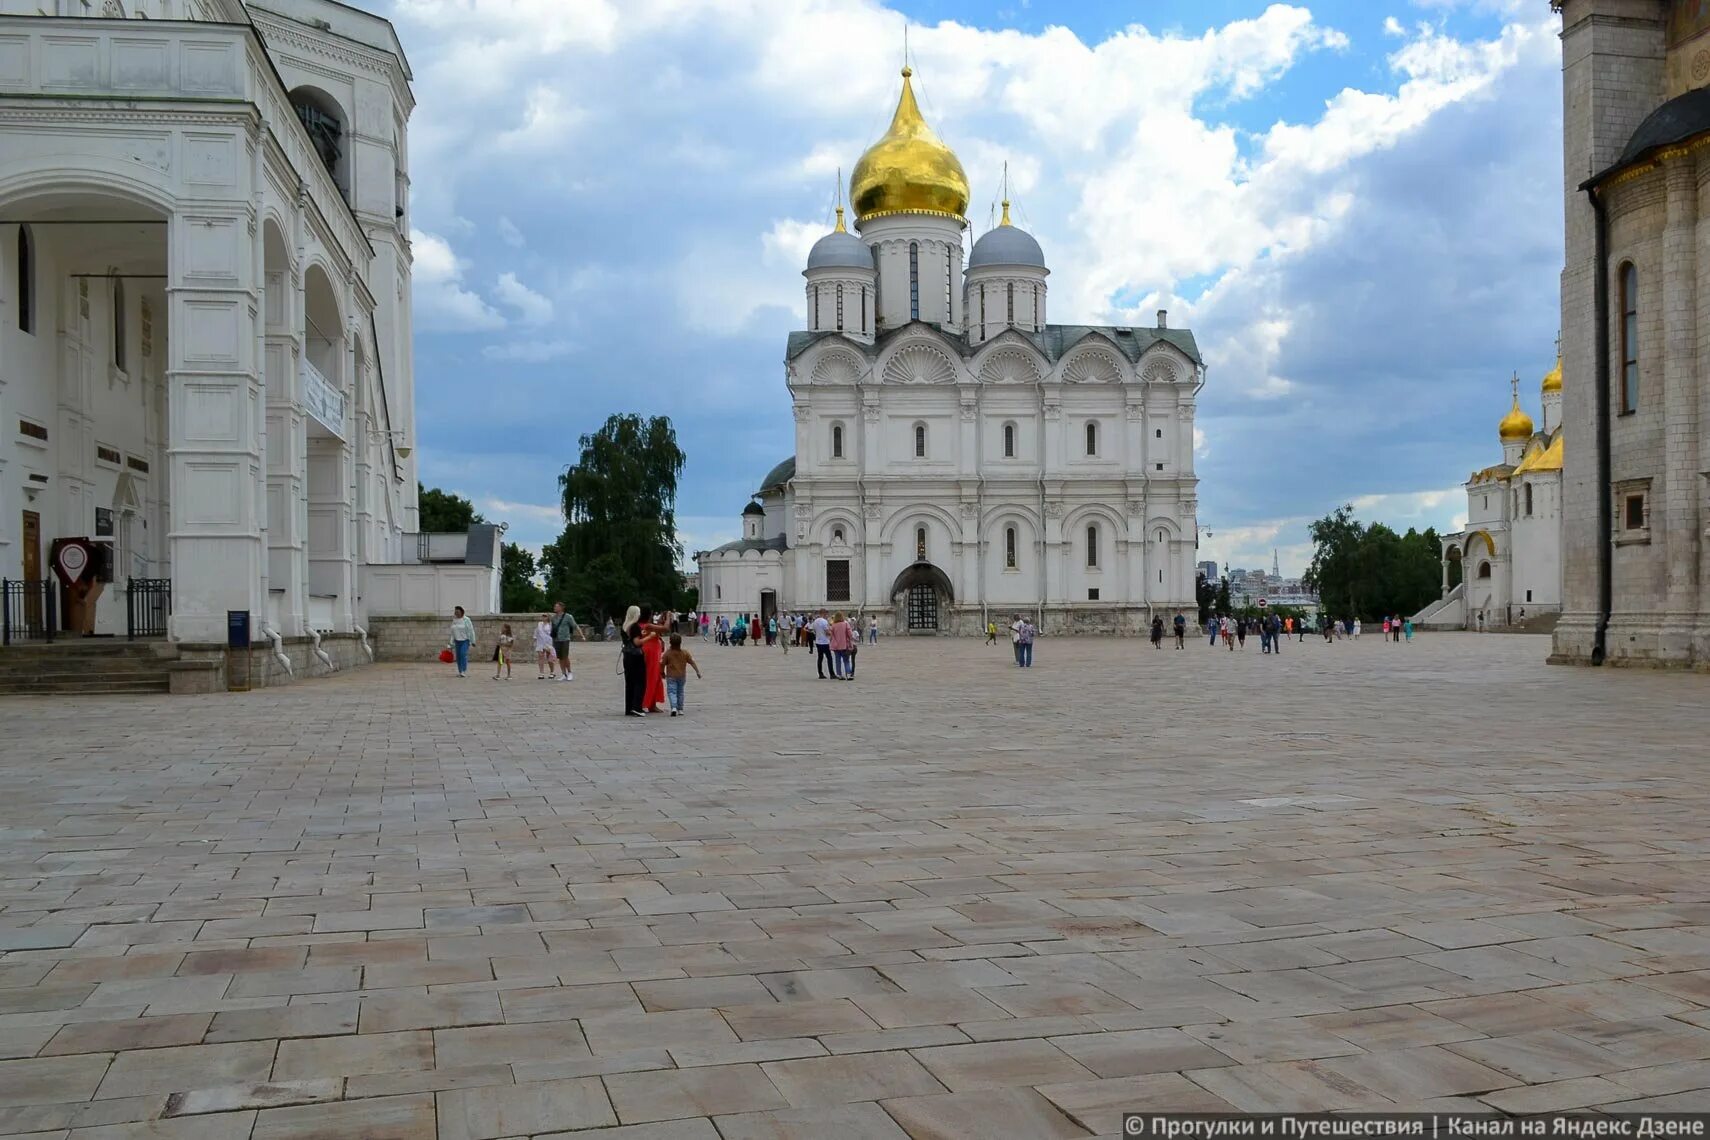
619, 547
1206, 594
1368, 570
1222, 603
443, 512
518, 591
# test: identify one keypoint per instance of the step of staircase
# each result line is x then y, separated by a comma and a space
85, 665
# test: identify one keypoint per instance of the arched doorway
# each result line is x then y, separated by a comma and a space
921, 595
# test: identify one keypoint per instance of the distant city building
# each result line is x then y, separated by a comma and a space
1208, 570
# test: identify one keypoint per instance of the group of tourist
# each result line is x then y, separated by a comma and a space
552, 636
655, 665
1396, 628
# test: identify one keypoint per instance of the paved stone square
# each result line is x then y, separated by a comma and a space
949, 899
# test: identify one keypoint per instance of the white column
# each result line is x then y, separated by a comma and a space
214, 450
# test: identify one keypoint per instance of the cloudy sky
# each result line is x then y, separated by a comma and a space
1355, 204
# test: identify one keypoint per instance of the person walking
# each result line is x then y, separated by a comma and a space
706, 624
1276, 635
872, 631
563, 629
634, 660
1024, 634
545, 664
677, 662
611, 630
462, 638
1356, 630
1157, 633
822, 646
654, 650
1407, 628
771, 631
1264, 635
1181, 631
1227, 628
1241, 631
502, 652
838, 637
991, 631
1395, 629
1212, 627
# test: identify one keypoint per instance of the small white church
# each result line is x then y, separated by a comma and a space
1510, 551
958, 457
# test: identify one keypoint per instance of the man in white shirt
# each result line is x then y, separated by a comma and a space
822, 644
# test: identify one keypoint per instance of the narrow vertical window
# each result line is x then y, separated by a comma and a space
982, 296
840, 308
1092, 438
949, 276
920, 441
914, 280
1009, 441
1009, 548
1528, 500
920, 544
837, 441
118, 324
1629, 338
1012, 302
1036, 308
863, 308
26, 281
1092, 548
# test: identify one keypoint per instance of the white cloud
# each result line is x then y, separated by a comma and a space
509, 234
529, 351
441, 301
531, 307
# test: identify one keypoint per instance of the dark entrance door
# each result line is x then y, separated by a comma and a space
922, 607
768, 606
32, 568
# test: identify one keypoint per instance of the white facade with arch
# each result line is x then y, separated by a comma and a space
234, 178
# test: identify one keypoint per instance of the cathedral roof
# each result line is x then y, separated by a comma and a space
1008, 244
1052, 342
779, 475
1496, 473
840, 249
746, 545
1546, 458
753, 509
1675, 121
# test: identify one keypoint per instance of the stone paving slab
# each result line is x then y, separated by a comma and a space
950, 899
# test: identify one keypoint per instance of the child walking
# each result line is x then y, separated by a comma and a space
502, 652
545, 656
678, 661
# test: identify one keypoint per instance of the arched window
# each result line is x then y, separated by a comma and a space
840, 308
119, 324
1484, 569
920, 441
837, 536
1528, 500
1092, 437
718, 592
1629, 338
837, 441
1009, 548
1012, 302
1009, 441
920, 544
26, 281
1092, 547
914, 280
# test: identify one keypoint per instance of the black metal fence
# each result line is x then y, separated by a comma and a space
29, 611
148, 605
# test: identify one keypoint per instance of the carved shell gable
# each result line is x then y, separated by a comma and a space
920, 364
836, 368
1159, 371
1009, 366
1094, 366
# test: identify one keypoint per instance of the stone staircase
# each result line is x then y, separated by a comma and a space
78, 665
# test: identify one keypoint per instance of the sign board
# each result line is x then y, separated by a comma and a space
103, 522
237, 629
322, 401
1263, 603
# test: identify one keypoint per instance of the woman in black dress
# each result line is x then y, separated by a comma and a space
634, 663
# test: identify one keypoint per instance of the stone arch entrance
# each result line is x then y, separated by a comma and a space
922, 597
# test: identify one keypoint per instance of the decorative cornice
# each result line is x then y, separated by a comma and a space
275, 30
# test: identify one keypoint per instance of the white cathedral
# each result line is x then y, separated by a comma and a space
1510, 551
957, 456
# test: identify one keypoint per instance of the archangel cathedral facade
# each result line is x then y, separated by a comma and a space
958, 457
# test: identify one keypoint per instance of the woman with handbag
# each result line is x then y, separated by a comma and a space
634, 662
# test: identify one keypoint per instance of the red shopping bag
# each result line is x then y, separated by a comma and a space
447, 656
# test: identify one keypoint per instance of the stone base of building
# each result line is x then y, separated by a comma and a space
1636, 641
202, 668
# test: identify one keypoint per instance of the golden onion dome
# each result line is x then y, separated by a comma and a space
1553, 378
1516, 424
909, 170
